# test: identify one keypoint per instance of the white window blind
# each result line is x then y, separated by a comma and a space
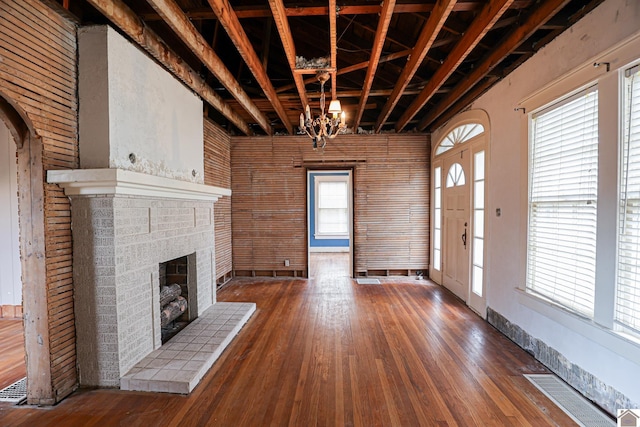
627, 307
562, 202
333, 208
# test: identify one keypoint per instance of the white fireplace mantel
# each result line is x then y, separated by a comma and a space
90, 182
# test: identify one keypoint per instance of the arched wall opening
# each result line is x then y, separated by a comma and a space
31, 242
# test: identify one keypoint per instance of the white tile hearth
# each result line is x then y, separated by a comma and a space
179, 365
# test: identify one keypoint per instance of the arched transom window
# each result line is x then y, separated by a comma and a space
459, 135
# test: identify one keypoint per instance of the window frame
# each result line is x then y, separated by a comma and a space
619, 325
550, 287
600, 329
319, 179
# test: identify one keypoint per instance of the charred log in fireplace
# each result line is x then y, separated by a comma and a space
172, 304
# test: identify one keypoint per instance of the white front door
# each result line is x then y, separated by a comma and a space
456, 224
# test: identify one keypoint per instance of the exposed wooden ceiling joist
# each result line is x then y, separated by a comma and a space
200, 13
427, 36
354, 67
282, 23
231, 24
478, 28
378, 44
125, 19
358, 93
445, 64
184, 29
534, 21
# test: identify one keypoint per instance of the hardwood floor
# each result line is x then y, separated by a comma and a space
329, 352
12, 366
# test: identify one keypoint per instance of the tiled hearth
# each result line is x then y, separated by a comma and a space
180, 364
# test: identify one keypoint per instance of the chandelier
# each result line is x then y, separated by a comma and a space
323, 126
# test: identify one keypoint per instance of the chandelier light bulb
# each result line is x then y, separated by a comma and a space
335, 107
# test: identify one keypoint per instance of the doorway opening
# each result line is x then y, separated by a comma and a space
459, 223
12, 361
330, 215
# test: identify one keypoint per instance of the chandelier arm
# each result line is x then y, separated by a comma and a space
312, 128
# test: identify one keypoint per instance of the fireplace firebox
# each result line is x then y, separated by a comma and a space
178, 295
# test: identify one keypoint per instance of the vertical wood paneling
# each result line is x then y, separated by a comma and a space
217, 171
38, 74
391, 201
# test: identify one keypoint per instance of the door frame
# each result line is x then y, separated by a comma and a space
475, 144
350, 191
29, 148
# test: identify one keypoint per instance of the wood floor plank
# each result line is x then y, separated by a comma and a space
327, 351
12, 364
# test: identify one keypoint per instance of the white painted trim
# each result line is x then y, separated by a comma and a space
471, 116
329, 249
331, 236
90, 182
584, 75
320, 178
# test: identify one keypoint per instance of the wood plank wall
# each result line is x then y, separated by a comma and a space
391, 201
38, 74
217, 171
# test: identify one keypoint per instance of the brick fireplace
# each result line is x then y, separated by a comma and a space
125, 224
138, 200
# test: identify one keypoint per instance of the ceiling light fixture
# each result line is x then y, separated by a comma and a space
323, 127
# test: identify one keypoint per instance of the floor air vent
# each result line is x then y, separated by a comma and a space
368, 281
583, 412
14, 393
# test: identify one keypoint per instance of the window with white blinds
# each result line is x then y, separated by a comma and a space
627, 306
563, 184
333, 204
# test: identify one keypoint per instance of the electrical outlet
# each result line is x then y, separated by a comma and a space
286, 263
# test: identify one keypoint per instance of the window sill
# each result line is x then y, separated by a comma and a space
623, 344
331, 236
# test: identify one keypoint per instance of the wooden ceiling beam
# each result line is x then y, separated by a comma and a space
282, 23
376, 51
357, 93
231, 24
427, 36
200, 13
352, 68
125, 19
184, 29
478, 28
522, 32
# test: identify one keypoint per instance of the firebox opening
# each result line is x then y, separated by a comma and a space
178, 303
